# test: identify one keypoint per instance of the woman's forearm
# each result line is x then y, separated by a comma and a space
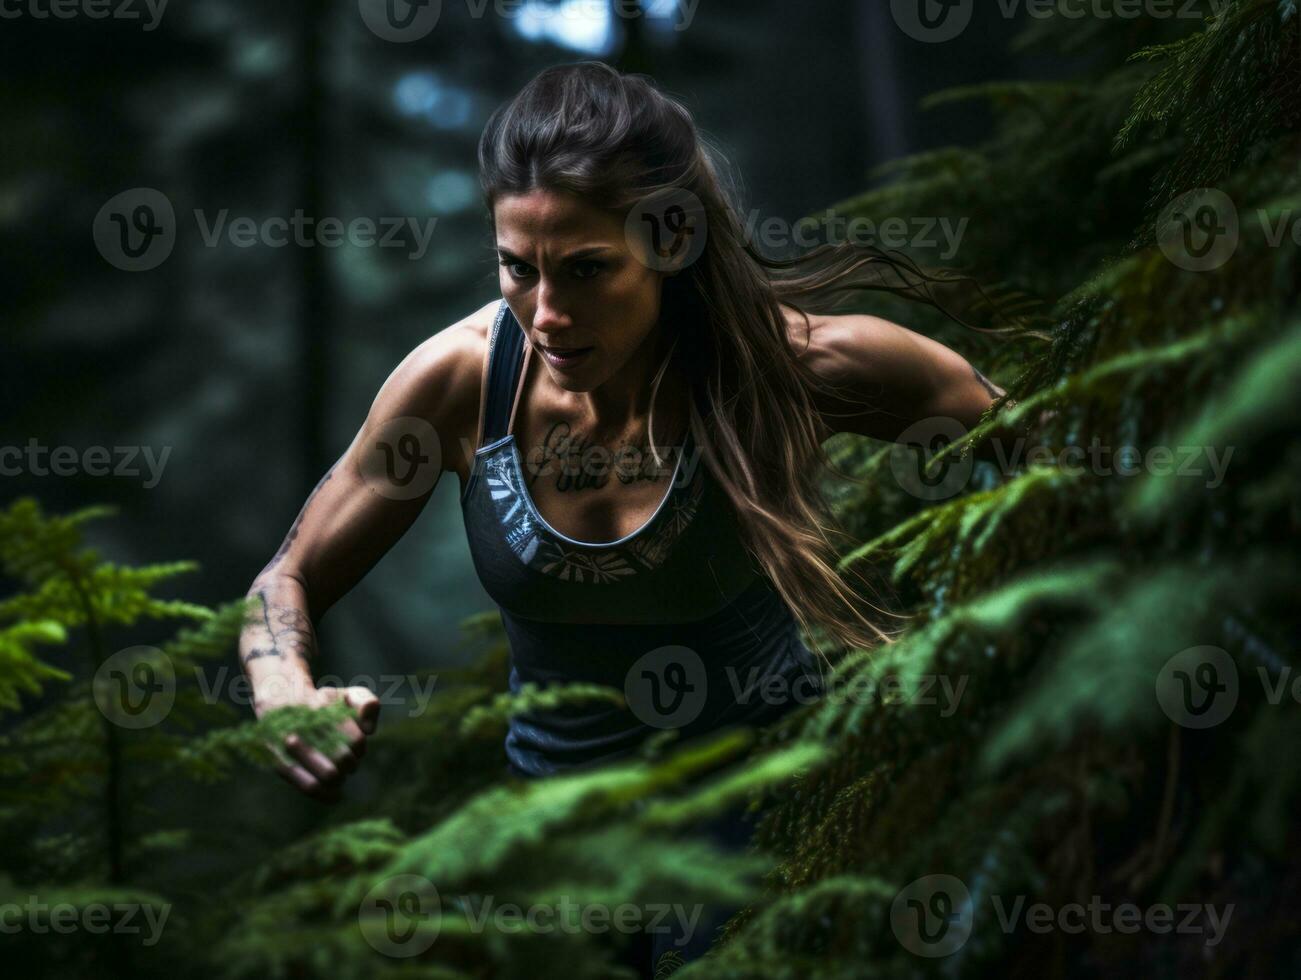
278, 643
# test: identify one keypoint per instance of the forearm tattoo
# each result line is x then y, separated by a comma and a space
285, 630
289, 632
577, 465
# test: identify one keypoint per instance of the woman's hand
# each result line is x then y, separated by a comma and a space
314, 773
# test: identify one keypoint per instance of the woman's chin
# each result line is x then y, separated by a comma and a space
581, 376
571, 382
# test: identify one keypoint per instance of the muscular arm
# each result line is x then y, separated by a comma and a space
361, 507
892, 377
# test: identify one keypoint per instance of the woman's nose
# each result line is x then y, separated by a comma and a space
550, 314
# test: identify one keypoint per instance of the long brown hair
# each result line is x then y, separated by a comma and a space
614, 139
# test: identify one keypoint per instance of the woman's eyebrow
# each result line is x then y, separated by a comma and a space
578, 253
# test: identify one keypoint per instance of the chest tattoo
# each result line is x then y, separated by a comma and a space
576, 463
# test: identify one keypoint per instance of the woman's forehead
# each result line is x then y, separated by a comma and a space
553, 215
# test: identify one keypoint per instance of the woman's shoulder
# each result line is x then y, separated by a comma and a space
441, 380
454, 357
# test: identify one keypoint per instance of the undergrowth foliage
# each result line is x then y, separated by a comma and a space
1071, 598
1082, 621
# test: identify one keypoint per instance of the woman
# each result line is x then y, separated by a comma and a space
633, 317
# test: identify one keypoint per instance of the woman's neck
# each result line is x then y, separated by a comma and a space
623, 402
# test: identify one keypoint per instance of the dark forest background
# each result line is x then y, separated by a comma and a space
256, 366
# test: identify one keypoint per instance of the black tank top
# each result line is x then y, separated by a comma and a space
679, 599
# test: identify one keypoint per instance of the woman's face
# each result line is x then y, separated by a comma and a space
569, 276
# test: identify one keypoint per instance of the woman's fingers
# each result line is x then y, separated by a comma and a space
314, 760
298, 777
363, 701
347, 757
310, 770
317, 777
366, 704
302, 780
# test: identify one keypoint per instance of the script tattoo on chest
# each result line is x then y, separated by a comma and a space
578, 464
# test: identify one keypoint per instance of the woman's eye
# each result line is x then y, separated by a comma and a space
582, 269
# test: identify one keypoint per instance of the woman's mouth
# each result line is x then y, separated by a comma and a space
564, 357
